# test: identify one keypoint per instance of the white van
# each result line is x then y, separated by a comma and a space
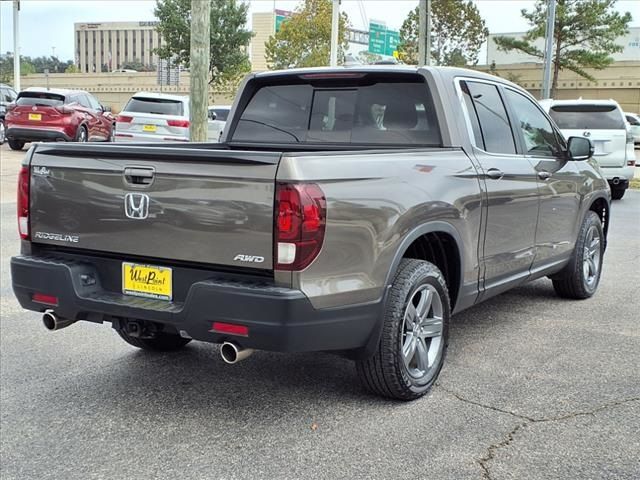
604, 123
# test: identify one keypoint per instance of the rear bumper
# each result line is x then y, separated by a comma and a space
279, 319
37, 135
125, 137
621, 173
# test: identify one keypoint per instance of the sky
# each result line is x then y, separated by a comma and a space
46, 26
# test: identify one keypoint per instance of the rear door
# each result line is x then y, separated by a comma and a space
511, 188
92, 117
157, 203
603, 124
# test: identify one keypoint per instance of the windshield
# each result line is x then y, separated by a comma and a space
157, 106
384, 113
590, 117
40, 99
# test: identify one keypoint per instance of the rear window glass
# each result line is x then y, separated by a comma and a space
157, 106
384, 113
40, 99
592, 117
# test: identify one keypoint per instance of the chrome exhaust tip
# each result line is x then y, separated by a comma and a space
52, 322
232, 353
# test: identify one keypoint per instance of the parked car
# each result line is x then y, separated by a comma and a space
217, 120
348, 210
154, 117
57, 115
633, 119
603, 122
7, 97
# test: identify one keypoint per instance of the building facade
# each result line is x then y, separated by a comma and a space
106, 46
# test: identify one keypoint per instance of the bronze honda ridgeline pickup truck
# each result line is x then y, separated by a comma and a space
351, 210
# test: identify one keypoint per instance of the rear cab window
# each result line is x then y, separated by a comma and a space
589, 117
40, 99
156, 106
358, 108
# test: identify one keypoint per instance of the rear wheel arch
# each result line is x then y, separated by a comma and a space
436, 242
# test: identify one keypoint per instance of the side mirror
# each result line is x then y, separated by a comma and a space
106, 108
212, 115
579, 148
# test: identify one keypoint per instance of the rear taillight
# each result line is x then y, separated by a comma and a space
23, 203
65, 110
178, 123
124, 119
301, 213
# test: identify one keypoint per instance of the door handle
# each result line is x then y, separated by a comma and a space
139, 175
495, 174
544, 175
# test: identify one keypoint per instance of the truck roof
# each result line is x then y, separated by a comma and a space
449, 72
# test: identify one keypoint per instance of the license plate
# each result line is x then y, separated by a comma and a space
35, 116
147, 281
149, 128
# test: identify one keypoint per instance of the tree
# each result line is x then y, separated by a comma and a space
457, 33
73, 68
585, 34
304, 39
6, 67
229, 37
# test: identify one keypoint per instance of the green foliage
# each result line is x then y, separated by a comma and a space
457, 33
585, 35
30, 65
304, 40
229, 37
137, 65
72, 68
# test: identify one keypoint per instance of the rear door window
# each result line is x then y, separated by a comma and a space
377, 113
40, 99
492, 119
587, 117
156, 106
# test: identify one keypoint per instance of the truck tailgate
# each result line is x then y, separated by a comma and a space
181, 204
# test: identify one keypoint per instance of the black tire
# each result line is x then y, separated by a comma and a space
617, 193
112, 135
16, 144
81, 135
386, 373
578, 280
162, 342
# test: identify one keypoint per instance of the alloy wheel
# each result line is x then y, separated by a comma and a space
591, 256
422, 332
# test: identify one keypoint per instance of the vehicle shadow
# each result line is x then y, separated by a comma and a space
196, 379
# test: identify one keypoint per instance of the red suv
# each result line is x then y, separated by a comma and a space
57, 115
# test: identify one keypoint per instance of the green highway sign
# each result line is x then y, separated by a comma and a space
377, 38
381, 40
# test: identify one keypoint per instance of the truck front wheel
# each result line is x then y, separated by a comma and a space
160, 342
414, 337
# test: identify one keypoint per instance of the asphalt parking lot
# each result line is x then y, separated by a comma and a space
533, 387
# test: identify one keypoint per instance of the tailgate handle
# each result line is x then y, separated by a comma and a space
139, 175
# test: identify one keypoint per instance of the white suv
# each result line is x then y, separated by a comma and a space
604, 123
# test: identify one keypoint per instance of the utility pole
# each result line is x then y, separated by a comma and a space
335, 25
424, 33
548, 48
199, 66
16, 46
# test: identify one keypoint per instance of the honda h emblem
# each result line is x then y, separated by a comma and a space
136, 205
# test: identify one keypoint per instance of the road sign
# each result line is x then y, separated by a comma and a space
377, 38
383, 41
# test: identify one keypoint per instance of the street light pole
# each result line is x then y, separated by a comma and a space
548, 48
335, 25
16, 46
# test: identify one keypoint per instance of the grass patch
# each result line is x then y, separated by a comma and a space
634, 183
